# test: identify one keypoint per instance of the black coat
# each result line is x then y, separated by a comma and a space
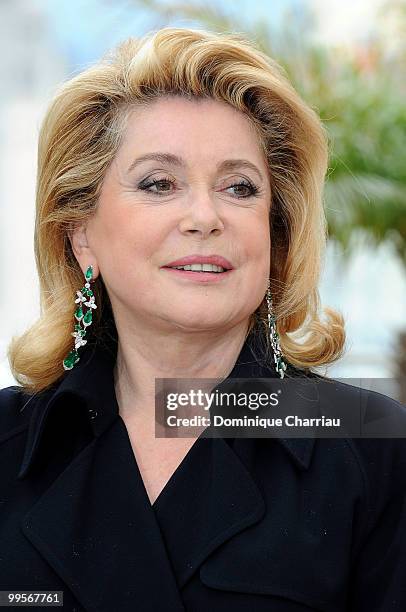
250, 525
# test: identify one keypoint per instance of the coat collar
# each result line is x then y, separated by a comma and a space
91, 381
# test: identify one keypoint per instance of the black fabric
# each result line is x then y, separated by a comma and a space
282, 524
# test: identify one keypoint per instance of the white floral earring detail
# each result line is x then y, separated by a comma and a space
85, 298
280, 365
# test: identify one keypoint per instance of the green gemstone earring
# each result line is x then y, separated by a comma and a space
86, 298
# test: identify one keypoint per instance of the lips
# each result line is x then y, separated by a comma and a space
216, 260
212, 278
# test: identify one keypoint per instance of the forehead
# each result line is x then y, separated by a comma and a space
193, 127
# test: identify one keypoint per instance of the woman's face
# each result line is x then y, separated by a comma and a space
153, 212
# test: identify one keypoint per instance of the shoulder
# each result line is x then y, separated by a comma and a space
379, 412
14, 422
12, 414
380, 446
16, 407
377, 425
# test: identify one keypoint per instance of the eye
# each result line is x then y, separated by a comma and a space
250, 190
145, 186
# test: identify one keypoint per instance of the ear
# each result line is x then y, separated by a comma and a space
81, 249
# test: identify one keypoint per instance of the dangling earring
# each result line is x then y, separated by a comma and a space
280, 365
84, 295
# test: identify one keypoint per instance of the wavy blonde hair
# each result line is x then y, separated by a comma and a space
80, 136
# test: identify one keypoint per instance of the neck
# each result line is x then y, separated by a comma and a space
143, 356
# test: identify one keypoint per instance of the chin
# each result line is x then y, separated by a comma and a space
195, 324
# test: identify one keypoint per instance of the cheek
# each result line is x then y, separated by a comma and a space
255, 239
134, 237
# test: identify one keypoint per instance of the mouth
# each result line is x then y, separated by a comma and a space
201, 273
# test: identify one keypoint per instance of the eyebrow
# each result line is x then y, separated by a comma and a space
175, 160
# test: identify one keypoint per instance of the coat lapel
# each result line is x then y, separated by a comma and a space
95, 527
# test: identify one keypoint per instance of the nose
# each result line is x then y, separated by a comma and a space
201, 217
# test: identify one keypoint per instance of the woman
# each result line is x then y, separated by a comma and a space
191, 148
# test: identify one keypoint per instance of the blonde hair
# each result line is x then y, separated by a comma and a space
80, 136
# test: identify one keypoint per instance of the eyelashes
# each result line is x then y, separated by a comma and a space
253, 190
